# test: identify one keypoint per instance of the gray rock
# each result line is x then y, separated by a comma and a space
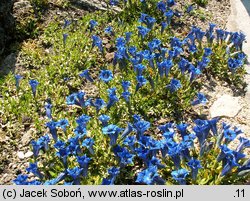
8, 64
27, 137
20, 155
7, 23
94, 5
225, 106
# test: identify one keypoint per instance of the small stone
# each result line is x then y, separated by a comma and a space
27, 137
28, 154
226, 105
20, 155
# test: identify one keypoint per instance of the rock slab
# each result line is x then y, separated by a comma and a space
225, 106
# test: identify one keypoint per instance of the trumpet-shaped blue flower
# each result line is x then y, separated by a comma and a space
195, 165
88, 143
201, 99
97, 42
141, 126
174, 85
85, 74
143, 31
92, 25
17, 79
75, 173
180, 176
112, 131
84, 164
104, 119
33, 84
34, 169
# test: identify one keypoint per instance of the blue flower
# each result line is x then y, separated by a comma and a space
34, 169
109, 30
128, 36
190, 8
97, 42
84, 163
33, 84
132, 50
99, 104
174, 85
169, 14
21, 179
48, 108
125, 158
52, 129
141, 80
180, 176
113, 2
113, 173
163, 26
130, 142
92, 25
148, 20
65, 36
104, 119
244, 143
201, 130
207, 52
161, 6
195, 165
183, 129
88, 143
127, 130
63, 153
66, 23
201, 99
75, 173
126, 95
63, 123
194, 72
170, 3
126, 85
83, 120
141, 126
149, 176
77, 99
112, 131
44, 142
175, 152
112, 97
17, 79
86, 75
143, 31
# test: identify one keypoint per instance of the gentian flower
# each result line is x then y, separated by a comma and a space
161, 6
104, 119
37, 146
113, 2
17, 79
183, 65
66, 23
126, 85
140, 82
125, 158
54, 181
109, 30
180, 176
169, 14
99, 104
194, 72
86, 75
132, 50
83, 120
88, 143
63, 153
63, 123
84, 164
149, 176
155, 44
183, 129
141, 126
174, 85
34, 169
130, 142
201, 130
207, 52
170, 3
97, 42
44, 142
48, 108
126, 95
113, 173
65, 36
195, 165
143, 31
33, 84
139, 68
112, 131
163, 26
77, 99
175, 152
244, 143
201, 99
74, 146
213, 125
75, 173
128, 36
112, 97
52, 129
92, 25
190, 8
21, 179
